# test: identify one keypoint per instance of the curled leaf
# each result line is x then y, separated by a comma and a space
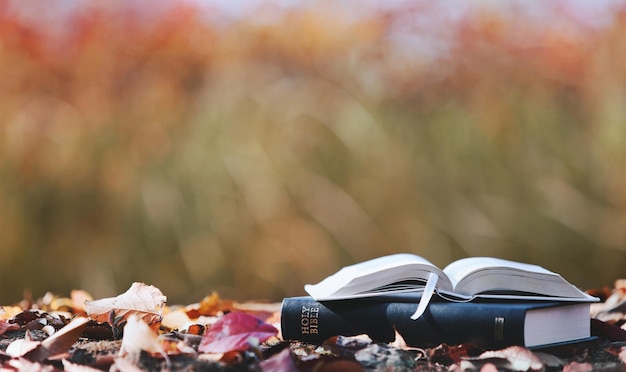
145, 301
235, 331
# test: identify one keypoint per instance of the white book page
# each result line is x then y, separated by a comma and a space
459, 269
370, 273
386, 262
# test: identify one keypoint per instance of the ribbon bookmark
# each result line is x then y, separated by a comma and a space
429, 290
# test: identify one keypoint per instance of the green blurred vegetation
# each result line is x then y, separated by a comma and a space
250, 157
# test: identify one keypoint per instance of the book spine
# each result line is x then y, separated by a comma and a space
484, 324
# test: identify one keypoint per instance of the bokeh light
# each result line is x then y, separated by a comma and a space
204, 147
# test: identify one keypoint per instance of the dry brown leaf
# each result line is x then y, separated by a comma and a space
145, 301
209, 306
399, 342
62, 340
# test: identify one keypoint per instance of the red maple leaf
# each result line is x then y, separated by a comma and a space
235, 332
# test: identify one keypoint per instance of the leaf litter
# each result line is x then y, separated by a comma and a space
138, 331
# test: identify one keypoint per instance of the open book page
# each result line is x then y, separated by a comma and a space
494, 277
459, 269
398, 272
462, 280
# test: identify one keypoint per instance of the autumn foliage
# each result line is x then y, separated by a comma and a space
251, 154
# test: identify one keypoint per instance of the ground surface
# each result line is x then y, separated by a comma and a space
37, 336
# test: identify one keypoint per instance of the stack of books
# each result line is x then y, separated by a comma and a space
486, 301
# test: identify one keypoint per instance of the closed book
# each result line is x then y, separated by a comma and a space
485, 323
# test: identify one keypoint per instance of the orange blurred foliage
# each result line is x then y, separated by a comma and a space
168, 145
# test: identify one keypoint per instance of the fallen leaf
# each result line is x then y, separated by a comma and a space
399, 342
235, 331
6, 326
341, 365
57, 344
549, 360
26, 317
62, 340
606, 330
54, 303
143, 300
195, 329
210, 305
79, 299
376, 356
8, 312
139, 336
267, 312
519, 358
22, 364
353, 343
282, 361
446, 354
231, 358
346, 346
21, 347
177, 319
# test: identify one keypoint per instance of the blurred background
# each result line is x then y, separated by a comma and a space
249, 149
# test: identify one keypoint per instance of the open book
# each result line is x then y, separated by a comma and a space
462, 280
